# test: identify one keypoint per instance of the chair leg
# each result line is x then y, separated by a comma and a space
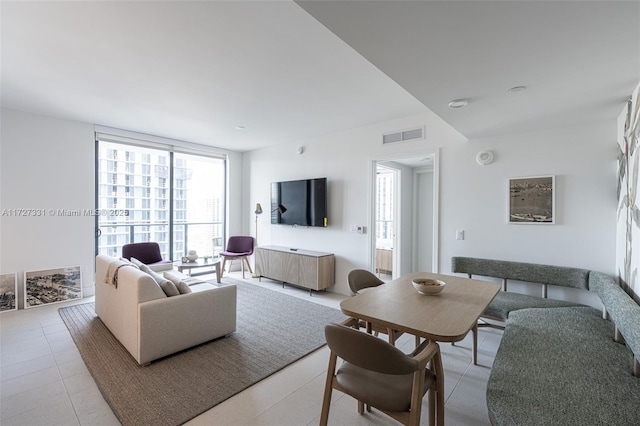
248, 264
474, 355
439, 389
242, 266
392, 337
432, 405
224, 262
360, 407
416, 398
328, 388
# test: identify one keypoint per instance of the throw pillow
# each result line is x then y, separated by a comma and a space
129, 263
182, 287
167, 286
140, 265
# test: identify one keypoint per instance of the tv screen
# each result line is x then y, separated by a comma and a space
299, 202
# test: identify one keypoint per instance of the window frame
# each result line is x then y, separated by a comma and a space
171, 147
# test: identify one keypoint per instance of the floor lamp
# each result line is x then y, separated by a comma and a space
258, 212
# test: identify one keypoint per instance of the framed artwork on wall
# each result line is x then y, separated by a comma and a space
532, 200
628, 220
52, 286
8, 292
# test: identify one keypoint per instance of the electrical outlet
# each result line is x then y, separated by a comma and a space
460, 234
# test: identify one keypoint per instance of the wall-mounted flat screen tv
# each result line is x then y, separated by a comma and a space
299, 202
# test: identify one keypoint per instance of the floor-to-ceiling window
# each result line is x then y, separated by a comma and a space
198, 209
174, 198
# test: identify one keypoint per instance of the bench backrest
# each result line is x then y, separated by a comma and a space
623, 310
521, 271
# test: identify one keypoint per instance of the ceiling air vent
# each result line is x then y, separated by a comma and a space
403, 136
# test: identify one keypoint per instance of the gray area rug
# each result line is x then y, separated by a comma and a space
273, 330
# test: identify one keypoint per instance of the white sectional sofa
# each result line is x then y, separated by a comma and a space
151, 325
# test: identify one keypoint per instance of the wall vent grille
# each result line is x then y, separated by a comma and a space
403, 136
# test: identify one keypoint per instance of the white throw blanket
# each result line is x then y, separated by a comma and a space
112, 272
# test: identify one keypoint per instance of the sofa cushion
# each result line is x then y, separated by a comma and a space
167, 286
140, 265
558, 364
174, 276
128, 262
182, 287
506, 302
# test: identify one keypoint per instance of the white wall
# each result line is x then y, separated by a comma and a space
472, 197
475, 198
49, 163
346, 159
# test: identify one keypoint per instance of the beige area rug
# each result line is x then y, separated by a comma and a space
273, 330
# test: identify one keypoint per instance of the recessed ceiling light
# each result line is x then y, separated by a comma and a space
517, 89
240, 127
458, 103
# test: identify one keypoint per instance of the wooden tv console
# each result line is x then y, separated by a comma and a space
309, 269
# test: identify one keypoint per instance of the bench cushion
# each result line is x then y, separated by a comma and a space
624, 311
561, 366
506, 302
522, 271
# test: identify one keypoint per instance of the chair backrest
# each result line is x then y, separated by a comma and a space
144, 252
368, 352
360, 278
240, 244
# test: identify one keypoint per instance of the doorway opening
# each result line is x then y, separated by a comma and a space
386, 204
405, 216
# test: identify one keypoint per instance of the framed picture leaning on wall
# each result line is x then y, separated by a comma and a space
8, 292
52, 286
532, 200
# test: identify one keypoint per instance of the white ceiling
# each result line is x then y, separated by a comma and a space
196, 70
578, 60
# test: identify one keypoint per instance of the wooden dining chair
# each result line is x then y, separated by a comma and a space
381, 376
359, 280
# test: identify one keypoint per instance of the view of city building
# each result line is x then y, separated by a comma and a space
384, 207
174, 199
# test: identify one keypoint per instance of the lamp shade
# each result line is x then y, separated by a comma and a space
281, 209
258, 208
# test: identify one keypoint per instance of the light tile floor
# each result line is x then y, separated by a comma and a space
43, 380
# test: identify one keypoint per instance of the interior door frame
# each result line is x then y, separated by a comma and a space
373, 162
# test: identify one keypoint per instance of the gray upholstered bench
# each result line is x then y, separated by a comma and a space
569, 365
506, 302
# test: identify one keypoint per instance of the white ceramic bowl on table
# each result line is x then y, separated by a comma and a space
428, 286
